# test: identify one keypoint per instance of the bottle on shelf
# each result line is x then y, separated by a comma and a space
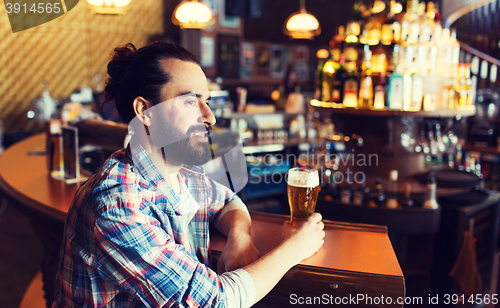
418, 58
395, 92
428, 23
347, 191
372, 32
430, 201
319, 77
417, 96
455, 51
327, 78
379, 97
378, 196
392, 195
407, 200
366, 81
358, 196
379, 62
338, 85
409, 23
351, 90
388, 27
407, 86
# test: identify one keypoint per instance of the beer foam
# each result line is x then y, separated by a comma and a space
303, 179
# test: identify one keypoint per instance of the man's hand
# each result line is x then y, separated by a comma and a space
238, 252
306, 238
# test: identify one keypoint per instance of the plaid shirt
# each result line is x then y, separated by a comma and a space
124, 245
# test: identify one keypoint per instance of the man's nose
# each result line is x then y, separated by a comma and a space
207, 115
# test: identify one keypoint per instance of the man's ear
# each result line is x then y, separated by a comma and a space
140, 105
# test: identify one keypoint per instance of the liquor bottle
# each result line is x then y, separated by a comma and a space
468, 87
319, 79
409, 18
455, 51
395, 95
417, 87
379, 62
350, 56
444, 53
422, 60
378, 197
338, 85
358, 196
393, 60
387, 34
414, 30
379, 99
428, 24
327, 79
429, 102
351, 90
366, 194
407, 200
347, 190
431, 202
407, 85
432, 60
392, 196
372, 30
366, 81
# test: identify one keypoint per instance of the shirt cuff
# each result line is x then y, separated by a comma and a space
239, 288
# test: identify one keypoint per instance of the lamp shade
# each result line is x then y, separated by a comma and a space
193, 15
113, 7
301, 25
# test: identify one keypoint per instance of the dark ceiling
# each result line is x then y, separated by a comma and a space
330, 14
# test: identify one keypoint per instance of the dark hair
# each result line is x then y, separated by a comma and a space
138, 72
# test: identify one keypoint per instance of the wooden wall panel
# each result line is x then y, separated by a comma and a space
66, 52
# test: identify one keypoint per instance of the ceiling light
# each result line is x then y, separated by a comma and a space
113, 7
301, 25
192, 14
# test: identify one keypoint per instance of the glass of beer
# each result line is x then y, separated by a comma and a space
303, 188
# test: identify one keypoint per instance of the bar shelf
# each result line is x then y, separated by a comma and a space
443, 113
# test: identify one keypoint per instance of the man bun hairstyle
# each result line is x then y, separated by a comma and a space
138, 72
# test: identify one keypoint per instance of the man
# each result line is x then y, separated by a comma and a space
136, 234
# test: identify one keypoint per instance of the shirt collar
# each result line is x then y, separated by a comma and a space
145, 166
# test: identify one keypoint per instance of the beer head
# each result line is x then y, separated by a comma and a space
301, 177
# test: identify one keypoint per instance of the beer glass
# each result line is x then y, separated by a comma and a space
303, 188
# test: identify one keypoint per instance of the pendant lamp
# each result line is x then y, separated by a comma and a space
112, 7
301, 25
192, 14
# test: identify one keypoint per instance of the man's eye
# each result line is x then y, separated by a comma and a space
192, 102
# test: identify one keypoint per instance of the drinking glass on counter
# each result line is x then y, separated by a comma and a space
303, 188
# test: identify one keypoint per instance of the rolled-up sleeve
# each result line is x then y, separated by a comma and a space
136, 253
239, 288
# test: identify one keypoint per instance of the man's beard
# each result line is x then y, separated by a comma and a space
184, 148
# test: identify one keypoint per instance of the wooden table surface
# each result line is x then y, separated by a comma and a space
355, 248
24, 176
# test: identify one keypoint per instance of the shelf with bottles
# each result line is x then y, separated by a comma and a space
390, 62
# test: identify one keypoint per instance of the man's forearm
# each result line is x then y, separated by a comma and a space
235, 222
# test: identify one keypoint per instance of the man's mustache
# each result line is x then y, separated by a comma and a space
197, 128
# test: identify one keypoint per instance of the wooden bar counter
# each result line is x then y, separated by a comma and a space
355, 267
